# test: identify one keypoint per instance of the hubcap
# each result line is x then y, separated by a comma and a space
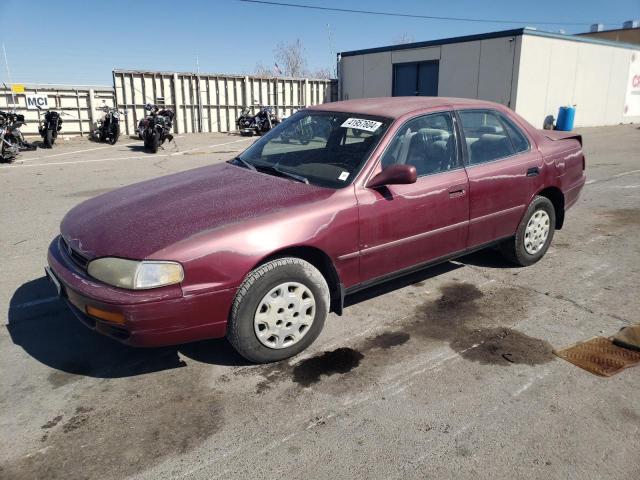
284, 315
537, 231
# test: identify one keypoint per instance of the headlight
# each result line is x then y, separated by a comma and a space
135, 275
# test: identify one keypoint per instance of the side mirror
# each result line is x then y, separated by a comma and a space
398, 174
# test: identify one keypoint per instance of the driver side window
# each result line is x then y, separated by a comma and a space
426, 142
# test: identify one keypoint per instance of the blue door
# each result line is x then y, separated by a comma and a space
415, 78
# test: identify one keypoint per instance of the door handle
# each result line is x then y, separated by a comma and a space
457, 191
533, 172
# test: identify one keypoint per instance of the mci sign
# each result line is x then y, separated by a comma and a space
36, 101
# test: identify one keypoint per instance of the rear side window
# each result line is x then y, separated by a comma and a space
520, 142
486, 138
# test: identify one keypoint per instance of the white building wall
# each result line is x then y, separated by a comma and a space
459, 66
556, 72
476, 69
379, 74
532, 74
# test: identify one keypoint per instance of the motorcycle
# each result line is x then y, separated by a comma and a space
109, 126
50, 127
303, 132
258, 124
142, 124
158, 127
11, 139
245, 119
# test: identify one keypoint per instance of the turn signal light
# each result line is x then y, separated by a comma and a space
112, 317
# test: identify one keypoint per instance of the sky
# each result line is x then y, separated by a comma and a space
81, 42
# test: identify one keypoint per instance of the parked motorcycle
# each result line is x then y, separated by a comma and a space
142, 124
302, 132
158, 127
50, 127
245, 119
109, 127
259, 123
11, 139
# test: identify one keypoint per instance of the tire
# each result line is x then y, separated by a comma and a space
520, 249
114, 135
48, 138
282, 272
154, 142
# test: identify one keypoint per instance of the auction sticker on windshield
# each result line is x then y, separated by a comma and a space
361, 124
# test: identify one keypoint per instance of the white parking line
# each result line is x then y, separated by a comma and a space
130, 157
210, 146
606, 179
75, 151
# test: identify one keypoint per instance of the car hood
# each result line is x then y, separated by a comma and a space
141, 219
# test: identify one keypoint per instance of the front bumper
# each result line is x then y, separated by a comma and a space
156, 317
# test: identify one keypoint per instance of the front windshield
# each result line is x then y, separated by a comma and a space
327, 149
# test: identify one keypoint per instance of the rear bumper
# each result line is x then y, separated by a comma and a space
157, 317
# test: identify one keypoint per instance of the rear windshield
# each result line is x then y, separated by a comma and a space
327, 149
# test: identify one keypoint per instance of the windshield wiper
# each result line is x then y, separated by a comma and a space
248, 165
284, 173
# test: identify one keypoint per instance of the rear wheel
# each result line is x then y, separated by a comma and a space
534, 234
279, 310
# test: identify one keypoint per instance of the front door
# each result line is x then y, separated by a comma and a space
402, 226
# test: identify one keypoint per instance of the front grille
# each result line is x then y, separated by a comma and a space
75, 256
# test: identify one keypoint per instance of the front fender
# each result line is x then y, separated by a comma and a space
221, 258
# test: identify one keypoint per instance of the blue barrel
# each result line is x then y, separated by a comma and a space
566, 116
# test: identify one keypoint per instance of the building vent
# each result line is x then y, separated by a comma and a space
596, 27
631, 24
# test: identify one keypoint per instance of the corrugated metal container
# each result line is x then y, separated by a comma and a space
78, 103
212, 102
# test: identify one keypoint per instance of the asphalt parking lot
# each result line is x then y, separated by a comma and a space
445, 374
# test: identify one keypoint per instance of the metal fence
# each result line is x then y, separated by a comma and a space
211, 102
78, 103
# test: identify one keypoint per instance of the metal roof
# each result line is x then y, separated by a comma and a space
485, 36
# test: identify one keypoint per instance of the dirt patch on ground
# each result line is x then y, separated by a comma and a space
88, 193
619, 218
128, 428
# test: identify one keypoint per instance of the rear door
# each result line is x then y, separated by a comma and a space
402, 226
503, 166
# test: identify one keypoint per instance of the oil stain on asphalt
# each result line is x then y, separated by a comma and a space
126, 429
473, 324
339, 361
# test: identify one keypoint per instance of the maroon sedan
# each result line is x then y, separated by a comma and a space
337, 198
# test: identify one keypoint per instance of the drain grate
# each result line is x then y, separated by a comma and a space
600, 356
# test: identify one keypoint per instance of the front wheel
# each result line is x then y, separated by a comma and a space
115, 133
48, 138
279, 310
534, 234
154, 142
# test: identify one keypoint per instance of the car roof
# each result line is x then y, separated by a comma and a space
395, 107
